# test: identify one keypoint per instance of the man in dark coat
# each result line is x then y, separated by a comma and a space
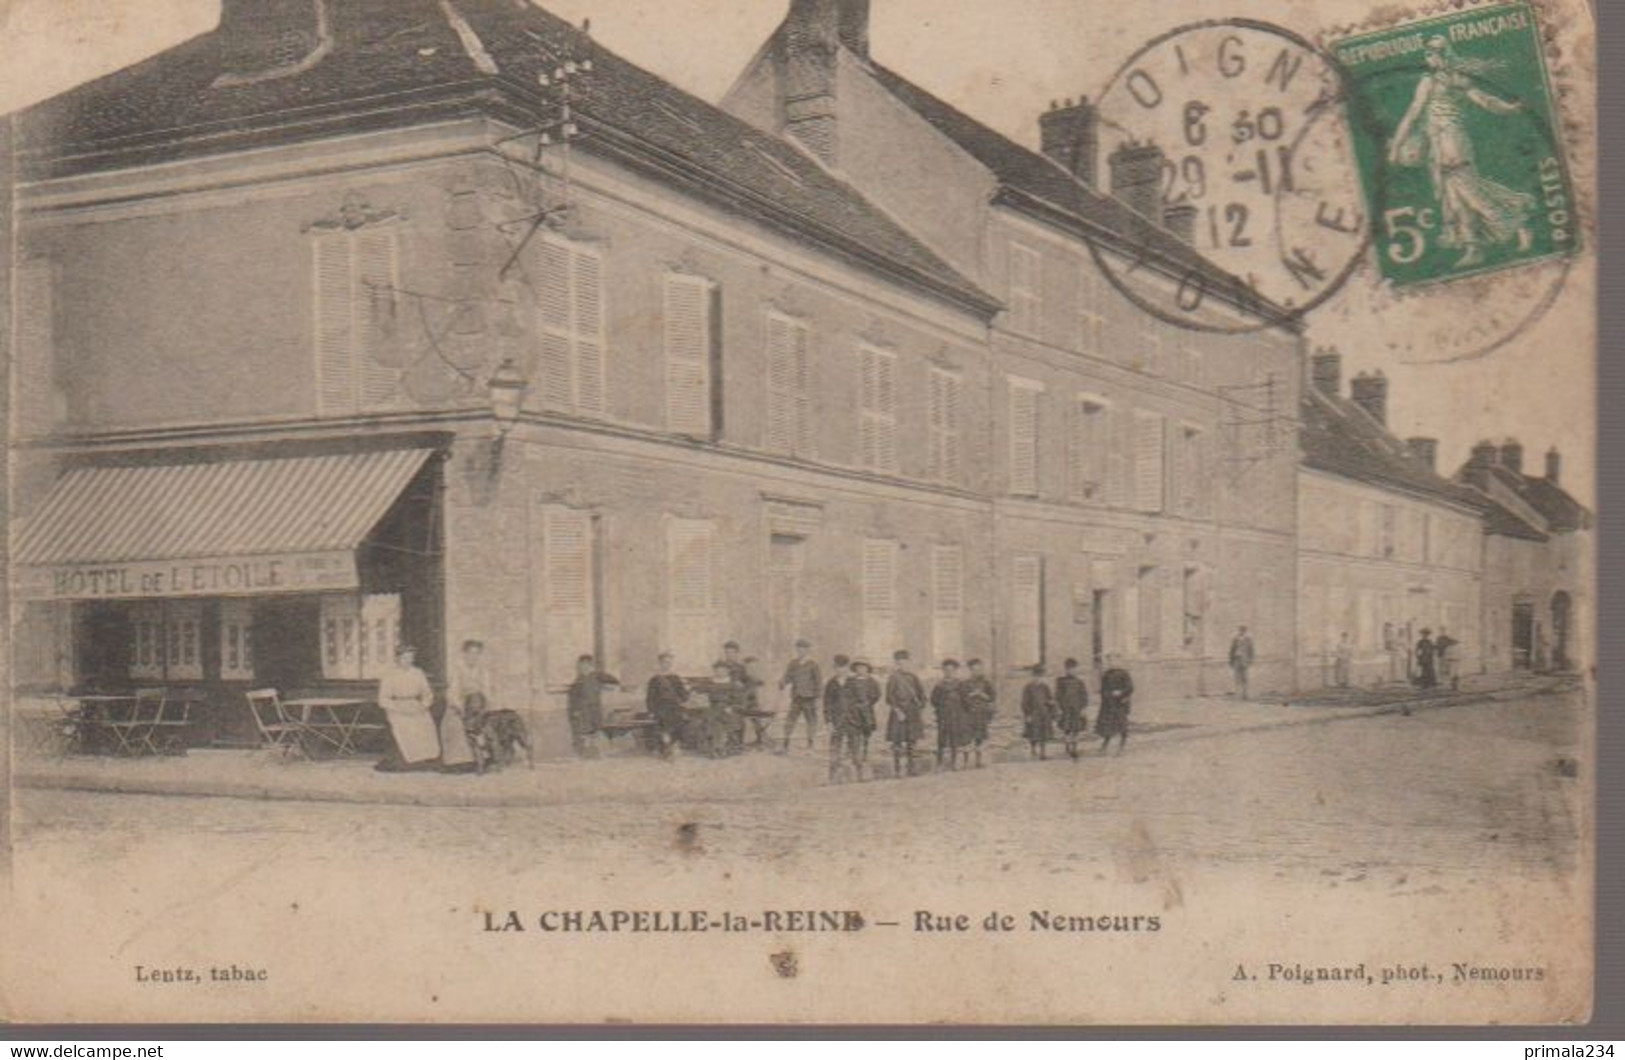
953, 721
861, 692
904, 725
1116, 700
844, 699
1241, 659
751, 708
1427, 674
980, 703
1072, 705
835, 687
1038, 713
804, 680
584, 705
666, 700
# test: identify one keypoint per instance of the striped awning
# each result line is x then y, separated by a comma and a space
209, 528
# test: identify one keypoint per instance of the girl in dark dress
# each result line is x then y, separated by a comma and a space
1038, 714
1072, 700
953, 721
1116, 700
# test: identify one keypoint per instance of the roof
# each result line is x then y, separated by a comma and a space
1339, 437
1031, 179
1561, 511
395, 63
1501, 520
216, 508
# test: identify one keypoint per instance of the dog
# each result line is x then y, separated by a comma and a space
497, 736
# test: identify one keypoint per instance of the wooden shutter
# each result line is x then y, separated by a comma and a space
587, 297
1026, 610
34, 388
1025, 281
1023, 437
568, 574
375, 305
878, 410
944, 426
947, 601
789, 373
688, 355
801, 361
691, 598
1089, 307
879, 598
553, 308
1149, 467
335, 324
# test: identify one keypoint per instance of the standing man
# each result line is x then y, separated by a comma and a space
1343, 661
1072, 704
835, 687
408, 702
862, 692
1038, 713
466, 704
843, 711
666, 700
953, 721
1444, 646
1116, 700
980, 697
584, 705
1241, 659
904, 725
804, 680
750, 683
1427, 674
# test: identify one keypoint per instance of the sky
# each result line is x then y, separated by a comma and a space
1003, 63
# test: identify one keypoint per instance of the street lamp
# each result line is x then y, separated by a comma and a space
507, 386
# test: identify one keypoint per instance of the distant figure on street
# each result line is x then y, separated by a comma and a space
980, 704
844, 715
805, 681
1116, 700
1444, 648
1241, 659
1072, 706
1427, 674
408, 702
1342, 660
864, 692
952, 715
1038, 714
584, 705
725, 699
666, 700
905, 723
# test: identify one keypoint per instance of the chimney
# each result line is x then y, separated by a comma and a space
1326, 371
1554, 466
814, 33
1426, 450
1180, 219
1512, 455
1069, 133
1137, 178
1484, 455
1370, 392
265, 39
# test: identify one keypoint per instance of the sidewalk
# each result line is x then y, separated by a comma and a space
627, 775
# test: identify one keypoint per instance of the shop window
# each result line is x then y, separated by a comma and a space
168, 637
359, 634
236, 640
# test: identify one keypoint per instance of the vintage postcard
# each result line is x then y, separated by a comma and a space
799, 511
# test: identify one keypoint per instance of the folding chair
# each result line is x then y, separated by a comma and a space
278, 733
133, 735
174, 717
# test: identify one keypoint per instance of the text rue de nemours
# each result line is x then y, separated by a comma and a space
806, 921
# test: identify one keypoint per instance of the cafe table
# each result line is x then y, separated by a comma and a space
333, 722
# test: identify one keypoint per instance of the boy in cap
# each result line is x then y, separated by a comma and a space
862, 692
979, 705
953, 723
1072, 701
1038, 713
904, 727
584, 704
665, 699
804, 680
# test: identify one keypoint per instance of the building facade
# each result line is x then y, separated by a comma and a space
1143, 472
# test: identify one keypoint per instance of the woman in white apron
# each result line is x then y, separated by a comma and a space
407, 699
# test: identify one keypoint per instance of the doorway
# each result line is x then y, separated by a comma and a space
1523, 635
785, 613
1562, 613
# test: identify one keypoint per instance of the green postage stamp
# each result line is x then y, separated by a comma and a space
1457, 145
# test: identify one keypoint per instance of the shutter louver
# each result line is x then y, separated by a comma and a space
944, 426
1149, 467
375, 305
878, 410
947, 601
1026, 610
802, 348
1023, 439
557, 383
781, 378
879, 597
588, 297
688, 355
571, 626
335, 355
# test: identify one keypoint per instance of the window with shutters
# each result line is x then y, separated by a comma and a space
1149, 461
33, 337
944, 428
356, 300
1149, 593
789, 386
1024, 398
359, 635
1091, 308
168, 640
1026, 610
689, 324
236, 640
693, 632
1026, 285
1088, 447
570, 321
569, 589
877, 409
878, 588
1194, 592
947, 601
